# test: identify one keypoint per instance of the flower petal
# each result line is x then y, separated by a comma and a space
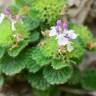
53, 31
62, 41
65, 25
70, 48
2, 16
72, 34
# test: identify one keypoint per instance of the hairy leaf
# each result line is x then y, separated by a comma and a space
33, 67
37, 81
5, 33
50, 47
57, 76
39, 57
89, 79
2, 51
84, 34
12, 66
58, 64
15, 51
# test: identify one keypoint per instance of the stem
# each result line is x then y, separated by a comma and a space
76, 91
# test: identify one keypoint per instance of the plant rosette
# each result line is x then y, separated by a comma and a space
12, 29
61, 44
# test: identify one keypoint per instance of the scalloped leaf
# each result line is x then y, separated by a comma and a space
2, 51
76, 77
15, 51
48, 10
78, 51
57, 76
85, 35
35, 36
37, 81
5, 33
31, 23
21, 29
89, 79
58, 64
33, 67
39, 57
50, 47
12, 66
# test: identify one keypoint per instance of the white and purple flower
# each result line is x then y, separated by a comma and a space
63, 35
6, 13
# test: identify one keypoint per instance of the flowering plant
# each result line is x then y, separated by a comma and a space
40, 54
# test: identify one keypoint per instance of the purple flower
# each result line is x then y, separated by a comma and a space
7, 11
59, 26
59, 23
65, 25
63, 35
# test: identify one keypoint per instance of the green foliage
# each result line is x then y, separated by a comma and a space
84, 34
44, 61
78, 50
33, 67
31, 23
37, 81
35, 36
2, 51
15, 51
21, 29
48, 10
58, 64
76, 77
5, 33
12, 66
39, 57
50, 47
89, 79
57, 76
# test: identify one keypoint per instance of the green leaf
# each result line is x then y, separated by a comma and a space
31, 23
84, 34
89, 79
58, 64
5, 33
57, 76
2, 51
48, 10
21, 29
37, 81
11, 66
15, 51
78, 51
33, 67
76, 77
35, 36
39, 57
50, 48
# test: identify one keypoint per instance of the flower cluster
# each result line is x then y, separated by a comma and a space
6, 13
63, 35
